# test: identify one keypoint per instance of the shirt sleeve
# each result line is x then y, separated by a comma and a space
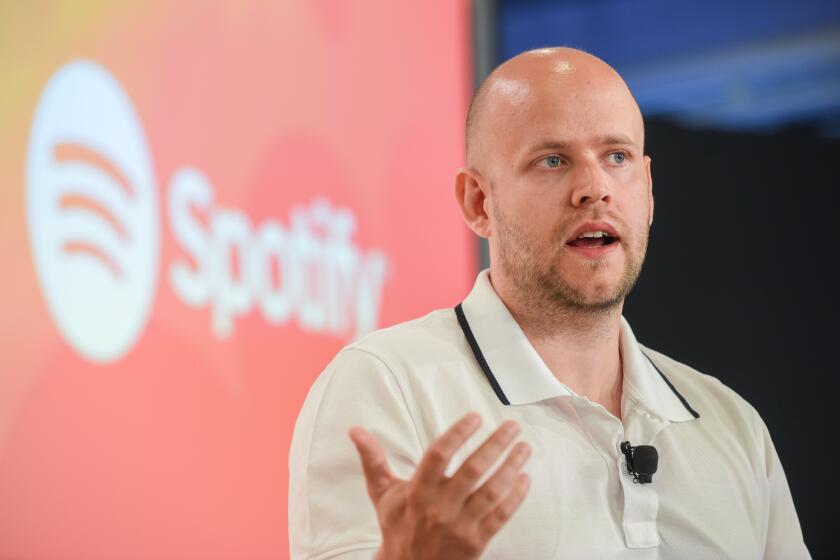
330, 512
784, 534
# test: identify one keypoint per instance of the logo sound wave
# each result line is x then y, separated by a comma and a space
76, 200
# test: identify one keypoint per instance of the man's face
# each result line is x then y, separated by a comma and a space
568, 161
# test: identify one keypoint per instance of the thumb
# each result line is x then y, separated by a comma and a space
377, 474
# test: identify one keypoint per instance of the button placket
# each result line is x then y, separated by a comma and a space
641, 504
641, 501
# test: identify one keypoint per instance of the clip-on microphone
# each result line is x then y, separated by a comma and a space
642, 461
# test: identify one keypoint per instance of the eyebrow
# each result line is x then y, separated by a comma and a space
609, 140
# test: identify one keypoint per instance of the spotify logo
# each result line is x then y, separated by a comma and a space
92, 211
95, 234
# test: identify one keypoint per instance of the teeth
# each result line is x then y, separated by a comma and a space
593, 234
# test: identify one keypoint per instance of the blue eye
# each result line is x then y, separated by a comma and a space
619, 157
552, 161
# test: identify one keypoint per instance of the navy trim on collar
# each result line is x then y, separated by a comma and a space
485, 367
674, 389
465, 326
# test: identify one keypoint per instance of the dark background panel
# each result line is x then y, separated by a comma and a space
740, 283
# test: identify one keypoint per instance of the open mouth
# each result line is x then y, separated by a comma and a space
593, 239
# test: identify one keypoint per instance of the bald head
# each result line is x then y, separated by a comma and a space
553, 77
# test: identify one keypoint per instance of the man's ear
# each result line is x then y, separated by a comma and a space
650, 190
470, 192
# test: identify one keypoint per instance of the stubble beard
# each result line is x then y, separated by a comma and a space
543, 291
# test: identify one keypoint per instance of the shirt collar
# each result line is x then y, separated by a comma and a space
519, 376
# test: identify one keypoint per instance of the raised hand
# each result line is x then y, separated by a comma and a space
436, 516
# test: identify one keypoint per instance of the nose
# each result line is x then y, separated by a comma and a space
590, 186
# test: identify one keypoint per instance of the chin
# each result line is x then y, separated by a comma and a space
600, 284
596, 298
600, 301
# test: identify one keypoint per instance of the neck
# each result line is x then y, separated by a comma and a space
582, 349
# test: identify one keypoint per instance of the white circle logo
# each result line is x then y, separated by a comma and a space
93, 211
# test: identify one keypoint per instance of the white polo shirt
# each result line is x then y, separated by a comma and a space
719, 491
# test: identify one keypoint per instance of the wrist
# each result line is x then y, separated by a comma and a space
388, 553
381, 554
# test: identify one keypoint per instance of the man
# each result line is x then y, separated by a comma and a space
558, 182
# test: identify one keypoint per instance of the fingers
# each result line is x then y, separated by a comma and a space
500, 515
498, 486
430, 472
463, 481
377, 474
